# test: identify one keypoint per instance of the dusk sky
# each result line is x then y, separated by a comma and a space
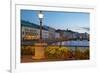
76, 21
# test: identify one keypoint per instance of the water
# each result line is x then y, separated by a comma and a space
82, 45
74, 43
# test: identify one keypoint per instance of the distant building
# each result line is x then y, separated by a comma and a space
66, 33
84, 36
32, 31
71, 34
52, 32
57, 35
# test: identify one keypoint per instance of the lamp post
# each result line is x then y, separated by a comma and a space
40, 46
40, 15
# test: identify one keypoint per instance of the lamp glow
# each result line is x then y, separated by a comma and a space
40, 15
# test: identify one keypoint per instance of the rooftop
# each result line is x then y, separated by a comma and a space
29, 24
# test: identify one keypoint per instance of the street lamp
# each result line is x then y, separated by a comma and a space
40, 46
40, 15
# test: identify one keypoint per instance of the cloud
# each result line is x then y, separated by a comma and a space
86, 28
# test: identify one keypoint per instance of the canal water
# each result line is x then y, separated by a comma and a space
76, 43
82, 45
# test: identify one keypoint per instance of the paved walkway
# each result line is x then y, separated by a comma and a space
28, 59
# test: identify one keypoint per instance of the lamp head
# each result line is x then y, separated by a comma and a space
40, 15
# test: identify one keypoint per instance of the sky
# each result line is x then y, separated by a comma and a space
76, 21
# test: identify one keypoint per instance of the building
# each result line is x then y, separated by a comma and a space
74, 35
84, 36
31, 31
65, 33
57, 35
52, 32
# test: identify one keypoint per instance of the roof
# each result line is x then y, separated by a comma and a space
32, 25
65, 31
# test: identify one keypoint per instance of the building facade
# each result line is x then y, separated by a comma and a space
31, 31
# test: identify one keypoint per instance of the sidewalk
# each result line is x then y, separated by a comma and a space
28, 59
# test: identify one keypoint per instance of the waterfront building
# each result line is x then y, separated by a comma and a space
31, 31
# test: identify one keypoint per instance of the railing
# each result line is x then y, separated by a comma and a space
51, 40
